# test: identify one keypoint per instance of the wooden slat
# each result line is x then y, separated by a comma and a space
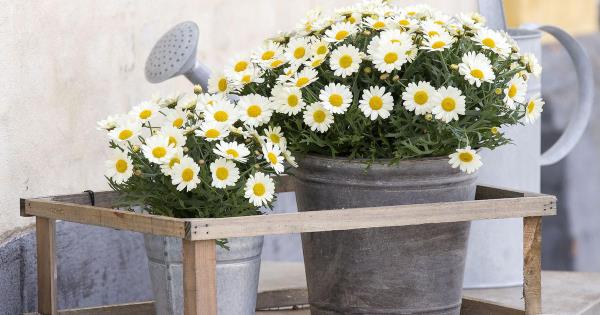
532, 265
104, 199
125, 220
199, 277
472, 306
357, 218
45, 231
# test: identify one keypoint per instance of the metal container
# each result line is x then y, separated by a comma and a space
495, 256
399, 270
237, 274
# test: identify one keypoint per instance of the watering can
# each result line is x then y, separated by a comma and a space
495, 255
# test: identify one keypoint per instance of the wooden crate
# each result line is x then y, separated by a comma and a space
199, 235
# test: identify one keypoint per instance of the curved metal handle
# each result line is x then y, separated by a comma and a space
585, 92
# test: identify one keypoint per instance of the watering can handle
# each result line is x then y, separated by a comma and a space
585, 92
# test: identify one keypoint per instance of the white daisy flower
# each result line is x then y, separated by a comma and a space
224, 173
175, 135
345, 60
396, 37
157, 149
440, 18
534, 109
185, 174
315, 61
466, 159
405, 22
492, 40
319, 47
336, 98
376, 23
272, 154
515, 91
354, 18
471, 21
317, 117
223, 112
297, 50
239, 63
218, 83
145, 111
269, 52
175, 117
287, 100
305, 77
107, 124
119, 167
375, 102
211, 131
287, 75
251, 75
476, 68
430, 28
276, 63
419, 97
448, 104
287, 154
339, 32
205, 100
187, 101
259, 189
275, 135
175, 159
438, 42
389, 57
254, 109
127, 128
232, 150
532, 64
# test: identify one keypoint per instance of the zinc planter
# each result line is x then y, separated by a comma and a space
237, 274
401, 270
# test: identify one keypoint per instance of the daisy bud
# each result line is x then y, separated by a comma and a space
396, 77
256, 166
494, 130
257, 153
498, 91
197, 89
367, 32
138, 173
201, 162
367, 69
384, 76
428, 117
454, 66
135, 148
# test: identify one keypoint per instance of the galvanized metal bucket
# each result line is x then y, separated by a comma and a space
400, 270
237, 274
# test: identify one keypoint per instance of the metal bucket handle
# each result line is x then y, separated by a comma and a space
585, 92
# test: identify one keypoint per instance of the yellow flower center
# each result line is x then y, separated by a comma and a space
292, 100
421, 97
212, 133
178, 122
240, 66
433, 33
317, 62
222, 173
530, 106
302, 81
145, 114
259, 189
172, 141
438, 44
512, 91
299, 52
267, 55
345, 61
319, 116
494, 130
376, 103
336, 100
125, 134
121, 166
274, 138
378, 25
351, 19
465, 157
222, 85
221, 116
159, 152
404, 22
390, 57
187, 174
276, 63
477, 74
233, 153
174, 161
322, 50
341, 35
246, 78
489, 42
254, 111
448, 104
272, 158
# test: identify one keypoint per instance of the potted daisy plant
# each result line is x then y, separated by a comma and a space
384, 105
190, 156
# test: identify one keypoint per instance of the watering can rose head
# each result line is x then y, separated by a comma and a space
374, 81
188, 156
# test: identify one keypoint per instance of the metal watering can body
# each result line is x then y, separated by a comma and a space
495, 255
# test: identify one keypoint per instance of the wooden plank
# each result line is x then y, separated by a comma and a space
45, 232
532, 265
472, 306
358, 218
199, 277
104, 199
118, 219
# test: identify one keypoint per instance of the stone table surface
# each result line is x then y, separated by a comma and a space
562, 292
